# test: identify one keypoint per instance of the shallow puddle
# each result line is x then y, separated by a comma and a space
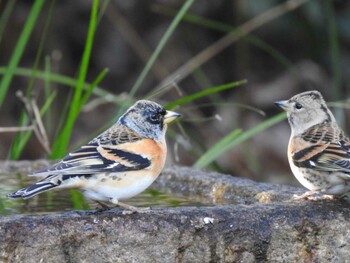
66, 199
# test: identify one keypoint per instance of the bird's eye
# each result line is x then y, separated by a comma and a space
154, 117
298, 106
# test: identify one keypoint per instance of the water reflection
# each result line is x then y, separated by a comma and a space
66, 199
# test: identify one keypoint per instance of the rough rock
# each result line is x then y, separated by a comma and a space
254, 222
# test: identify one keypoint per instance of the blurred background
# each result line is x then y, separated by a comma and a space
276, 48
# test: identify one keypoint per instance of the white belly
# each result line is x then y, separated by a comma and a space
124, 188
301, 178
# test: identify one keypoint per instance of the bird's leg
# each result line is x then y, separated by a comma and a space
131, 208
329, 197
103, 206
305, 196
308, 196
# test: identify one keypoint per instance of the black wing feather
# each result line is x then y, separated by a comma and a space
335, 157
88, 159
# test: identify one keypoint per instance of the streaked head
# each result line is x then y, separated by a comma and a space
148, 119
305, 110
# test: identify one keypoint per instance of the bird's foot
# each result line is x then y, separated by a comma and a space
304, 196
313, 196
129, 208
103, 207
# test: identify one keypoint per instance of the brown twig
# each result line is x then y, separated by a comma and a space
160, 90
36, 120
230, 38
16, 129
41, 132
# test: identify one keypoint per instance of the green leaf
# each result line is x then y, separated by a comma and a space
23, 137
4, 18
97, 81
19, 49
216, 150
203, 93
60, 79
226, 144
78, 200
60, 145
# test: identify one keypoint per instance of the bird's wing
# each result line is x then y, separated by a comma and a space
105, 154
327, 157
323, 147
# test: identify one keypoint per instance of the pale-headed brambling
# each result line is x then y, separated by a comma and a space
116, 165
318, 150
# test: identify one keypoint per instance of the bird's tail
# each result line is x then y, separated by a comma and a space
34, 189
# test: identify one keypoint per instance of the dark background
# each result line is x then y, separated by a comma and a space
128, 33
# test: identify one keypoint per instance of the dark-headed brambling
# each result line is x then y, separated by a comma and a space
318, 150
118, 164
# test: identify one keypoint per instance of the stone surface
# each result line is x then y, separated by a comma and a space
253, 222
207, 186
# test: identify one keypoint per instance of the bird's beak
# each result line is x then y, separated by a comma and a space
170, 116
282, 104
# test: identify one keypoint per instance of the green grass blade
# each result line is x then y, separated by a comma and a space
203, 93
249, 38
194, 19
48, 102
63, 114
86, 56
211, 155
47, 90
97, 81
4, 18
102, 11
216, 150
40, 49
61, 142
20, 138
19, 49
218, 26
59, 79
23, 137
156, 53
334, 49
3, 211
78, 200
